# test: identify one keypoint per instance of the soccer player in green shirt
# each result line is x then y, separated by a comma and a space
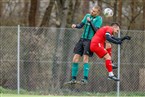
82, 48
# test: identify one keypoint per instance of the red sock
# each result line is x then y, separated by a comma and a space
109, 65
109, 51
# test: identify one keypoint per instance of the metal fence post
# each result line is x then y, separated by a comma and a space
18, 60
118, 83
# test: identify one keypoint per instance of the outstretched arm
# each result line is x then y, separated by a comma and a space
122, 39
78, 25
126, 38
113, 39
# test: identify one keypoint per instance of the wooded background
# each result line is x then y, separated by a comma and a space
47, 42
62, 13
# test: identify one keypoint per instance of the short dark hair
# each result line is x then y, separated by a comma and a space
115, 23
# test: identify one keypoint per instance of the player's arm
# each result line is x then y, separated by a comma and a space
117, 39
122, 39
93, 27
112, 39
97, 24
126, 38
80, 25
83, 22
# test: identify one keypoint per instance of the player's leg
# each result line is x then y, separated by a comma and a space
102, 53
74, 69
108, 63
86, 66
75, 66
78, 51
108, 47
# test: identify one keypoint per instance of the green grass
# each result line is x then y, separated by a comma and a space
15, 95
23, 93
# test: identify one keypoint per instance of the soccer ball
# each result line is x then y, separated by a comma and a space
108, 12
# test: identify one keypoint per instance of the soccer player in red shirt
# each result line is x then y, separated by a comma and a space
104, 34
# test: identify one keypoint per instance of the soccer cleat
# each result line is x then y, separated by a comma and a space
84, 81
113, 78
71, 82
114, 66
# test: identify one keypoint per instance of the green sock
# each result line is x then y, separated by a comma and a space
74, 70
86, 70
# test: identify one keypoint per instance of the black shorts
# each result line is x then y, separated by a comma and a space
83, 47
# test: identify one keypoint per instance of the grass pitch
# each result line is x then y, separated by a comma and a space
24, 93
21, 95
15, 95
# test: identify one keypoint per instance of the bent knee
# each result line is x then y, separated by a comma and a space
108, 45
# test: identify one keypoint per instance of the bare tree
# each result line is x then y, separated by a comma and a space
58, 59
85, 7
25, 13
132, 5
31, 67
1, 8
0, 11
32, 13
119, 11
100, 3
143, 14
135, 12
115, 10
46, 17
69, 37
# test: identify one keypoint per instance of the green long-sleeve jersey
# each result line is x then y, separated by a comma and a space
88, 31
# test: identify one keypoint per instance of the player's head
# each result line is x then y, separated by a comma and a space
116, 27
95, 10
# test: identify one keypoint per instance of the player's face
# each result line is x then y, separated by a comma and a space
116, 29
94, 12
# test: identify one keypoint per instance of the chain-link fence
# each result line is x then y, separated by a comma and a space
45, 63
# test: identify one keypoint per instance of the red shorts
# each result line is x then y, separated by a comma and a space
99, 49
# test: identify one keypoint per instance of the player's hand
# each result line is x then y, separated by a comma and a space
127, 37
73, 25
88, 19
119, 42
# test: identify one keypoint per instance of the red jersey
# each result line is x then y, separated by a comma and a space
100, 35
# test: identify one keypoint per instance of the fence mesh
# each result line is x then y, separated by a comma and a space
45, 62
